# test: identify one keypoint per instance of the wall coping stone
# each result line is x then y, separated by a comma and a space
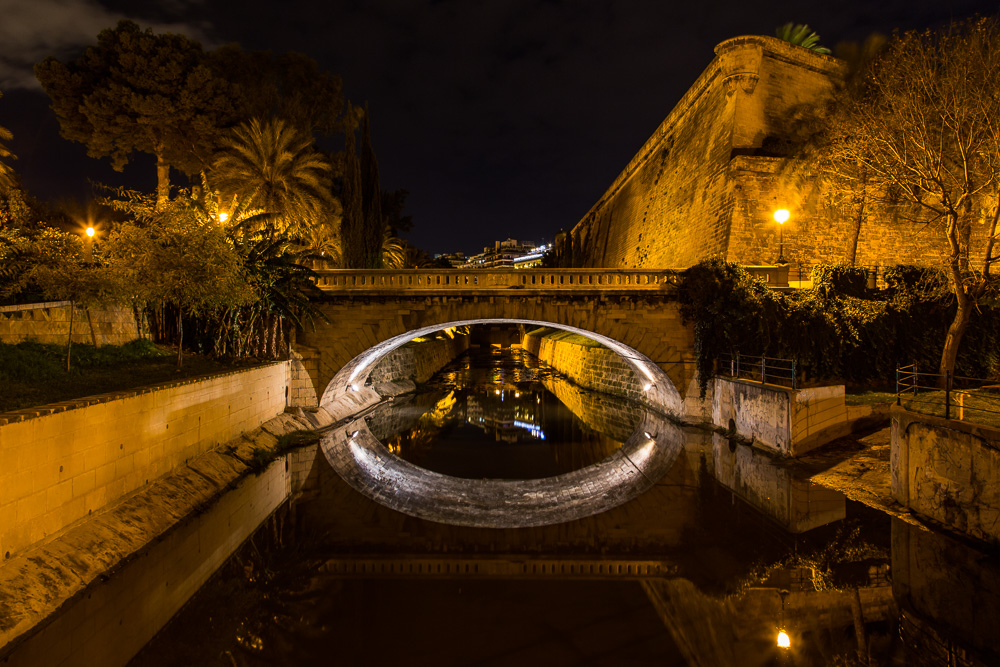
14, 416
990, 436
34, 306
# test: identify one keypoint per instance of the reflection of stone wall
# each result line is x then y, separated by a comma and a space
947, 586
613, 418
418, 361
796, 504
947, 470
588, 364
49, 323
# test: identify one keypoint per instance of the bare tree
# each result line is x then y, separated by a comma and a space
922, 124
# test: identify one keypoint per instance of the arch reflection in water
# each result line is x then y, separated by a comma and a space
504, 445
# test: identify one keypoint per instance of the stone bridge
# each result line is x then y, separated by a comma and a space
371, 312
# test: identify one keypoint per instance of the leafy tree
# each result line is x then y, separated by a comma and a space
136, 91
800, 35
272, 167
922, 122
8, 178
373, 231
281, 284
176, 254
352, 227
290, 86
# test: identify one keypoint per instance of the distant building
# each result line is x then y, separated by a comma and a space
456, 259
509, 254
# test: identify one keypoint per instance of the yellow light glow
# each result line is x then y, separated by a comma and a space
781, 215
783, 640
91, 232
223, 216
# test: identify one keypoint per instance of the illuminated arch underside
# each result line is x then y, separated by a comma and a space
368, 466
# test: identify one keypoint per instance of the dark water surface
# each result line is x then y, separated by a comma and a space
738, 546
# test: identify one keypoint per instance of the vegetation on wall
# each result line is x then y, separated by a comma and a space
860, 337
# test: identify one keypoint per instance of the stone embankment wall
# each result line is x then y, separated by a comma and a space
588, 364
49, 323
947, 470
61, 462
418, 361
708, 180
787, 421
161, 544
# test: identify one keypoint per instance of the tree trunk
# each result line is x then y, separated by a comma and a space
93, 334
954, 337
162, 182
180, 338
964, 312
852, 254
69, 340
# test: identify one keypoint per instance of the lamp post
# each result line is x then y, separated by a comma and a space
88, 244
781, 216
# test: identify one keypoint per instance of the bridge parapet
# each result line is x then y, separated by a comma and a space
485, 280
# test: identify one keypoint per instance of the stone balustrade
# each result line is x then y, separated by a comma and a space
485, 280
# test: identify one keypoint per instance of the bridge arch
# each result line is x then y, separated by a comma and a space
659, 391
636, 315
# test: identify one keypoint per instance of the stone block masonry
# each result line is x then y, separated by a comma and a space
97, 592
787, 421
62, 462
585, 362
49, 323
418, 361
946, 470
650, 324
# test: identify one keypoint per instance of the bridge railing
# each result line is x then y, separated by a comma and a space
366, 280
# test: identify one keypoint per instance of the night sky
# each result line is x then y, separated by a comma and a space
502, 118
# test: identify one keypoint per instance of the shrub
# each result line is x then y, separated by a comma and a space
842, 279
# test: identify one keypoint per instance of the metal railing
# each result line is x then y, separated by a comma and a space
456, 280
949, 396
758, 368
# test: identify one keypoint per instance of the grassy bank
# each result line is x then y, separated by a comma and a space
34, 374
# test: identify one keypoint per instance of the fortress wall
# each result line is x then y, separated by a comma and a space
672, 206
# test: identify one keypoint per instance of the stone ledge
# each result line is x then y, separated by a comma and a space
23, 414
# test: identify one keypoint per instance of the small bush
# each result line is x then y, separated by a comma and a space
908, 279
841, 279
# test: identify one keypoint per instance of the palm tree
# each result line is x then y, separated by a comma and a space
271, 167
801, 35
7, 177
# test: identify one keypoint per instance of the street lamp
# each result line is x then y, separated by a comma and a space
88, 244
781, 216
223, 216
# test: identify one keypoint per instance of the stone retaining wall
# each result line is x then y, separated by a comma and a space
49, 323
62, 462
418, 361
945, 470
588, 364
787, 421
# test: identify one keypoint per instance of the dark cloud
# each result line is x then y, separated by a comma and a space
32, 30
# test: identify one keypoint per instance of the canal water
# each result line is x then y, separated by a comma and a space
724, 557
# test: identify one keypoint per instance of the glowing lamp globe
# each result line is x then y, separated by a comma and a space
90, 232
783, 640
781, 215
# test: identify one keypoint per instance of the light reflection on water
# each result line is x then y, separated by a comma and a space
491, 415
752, 550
